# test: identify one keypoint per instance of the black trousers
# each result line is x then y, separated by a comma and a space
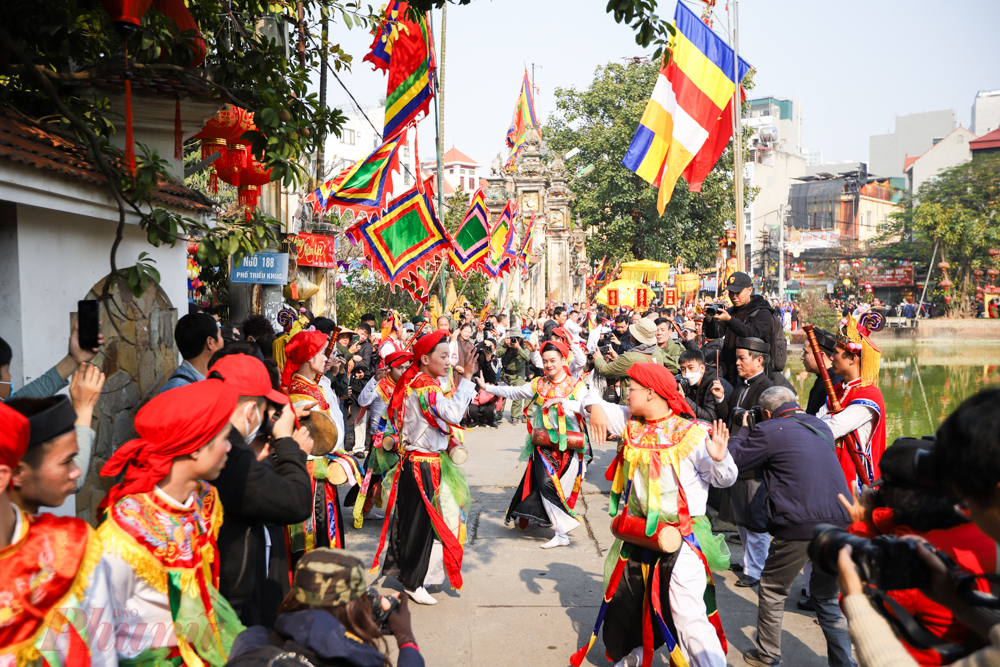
411, 533
483, 414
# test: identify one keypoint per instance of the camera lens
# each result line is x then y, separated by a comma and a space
827, 541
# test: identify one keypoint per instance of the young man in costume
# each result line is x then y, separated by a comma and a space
380, 461
857, 360
659, 583
161, 527
428, 532
308, 388
554, 447
55, 595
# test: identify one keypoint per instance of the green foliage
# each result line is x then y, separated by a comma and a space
815, 309
137, 277
615, 204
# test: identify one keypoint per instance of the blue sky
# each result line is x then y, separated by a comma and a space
853, 64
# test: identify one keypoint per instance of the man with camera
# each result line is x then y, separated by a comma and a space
794, 453
696, 381
616, 366
965, 459
620, 341
259, 490
749, 317
514, 357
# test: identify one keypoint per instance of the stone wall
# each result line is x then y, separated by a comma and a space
942, 329
138, 356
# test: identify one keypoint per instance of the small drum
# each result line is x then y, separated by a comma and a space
574, 440
632, 529
389, 443
323, 431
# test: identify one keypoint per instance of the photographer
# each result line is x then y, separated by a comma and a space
620, 340
905, 505
794, 452
749, 317
482, 411
258, 491
330, 619
616, 367
514, 356
696, 381
966, 459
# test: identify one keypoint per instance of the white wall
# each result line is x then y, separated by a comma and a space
60, 257
774, 178
986, 112
949, 152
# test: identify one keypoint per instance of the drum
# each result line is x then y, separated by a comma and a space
323, 431
574, 440
632, 529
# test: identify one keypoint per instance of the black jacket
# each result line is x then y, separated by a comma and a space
801, 470
702, 401
750, 321
315, 635
817, 395
255, 493
744, 399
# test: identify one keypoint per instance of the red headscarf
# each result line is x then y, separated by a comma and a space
659, 379
301, 348
425, 345
15, 431
174, 423
398, 358
563, 350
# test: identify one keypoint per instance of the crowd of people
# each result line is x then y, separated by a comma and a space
223, 537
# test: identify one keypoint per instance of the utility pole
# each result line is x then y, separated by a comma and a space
781, 250
738, 142
438, 113
444, 36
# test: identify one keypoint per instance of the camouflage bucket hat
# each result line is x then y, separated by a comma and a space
328, 578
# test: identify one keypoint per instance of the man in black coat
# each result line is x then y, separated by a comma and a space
697, 389
827, 346
795, 451
749, 317
258, 494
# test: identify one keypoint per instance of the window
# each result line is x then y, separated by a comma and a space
451, 171
347, 137
472, 183
461, 180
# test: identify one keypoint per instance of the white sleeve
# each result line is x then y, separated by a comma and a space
536, 358
594, 338
452, 410
85, 445
578, 362
524, 392
618, 415
849, 419
717, 473
369, 393
100, 600
453, 347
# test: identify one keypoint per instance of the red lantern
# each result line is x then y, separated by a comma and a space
945, 284
978, 273
821, 274
992, 272
944, 265
856, 264
126, 14
947, 299
248, 181
994, 252
222, 134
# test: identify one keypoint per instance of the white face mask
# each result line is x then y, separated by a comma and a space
251, 435
693, 378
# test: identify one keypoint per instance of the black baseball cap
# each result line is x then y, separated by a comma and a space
738, 282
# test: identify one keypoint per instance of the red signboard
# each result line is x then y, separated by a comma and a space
896, 276
642, 298
612, 298
314, 250
669, 296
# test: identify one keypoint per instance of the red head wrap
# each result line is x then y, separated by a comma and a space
301, 348
399, 358
559, 331
174, 423
562, 347
15, 431
659, 379
425, 345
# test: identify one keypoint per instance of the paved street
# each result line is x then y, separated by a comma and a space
524, 605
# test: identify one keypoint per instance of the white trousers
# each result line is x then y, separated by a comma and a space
755, 546
695, 634
560, 520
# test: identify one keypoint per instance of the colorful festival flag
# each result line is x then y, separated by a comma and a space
404, 239
688, 119
415, 283
525, 250
472, 241
365, 186
524, 117
405, 50
501, 238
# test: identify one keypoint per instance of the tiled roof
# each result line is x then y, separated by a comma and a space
988, 140
907, 161
50, 149
455, 155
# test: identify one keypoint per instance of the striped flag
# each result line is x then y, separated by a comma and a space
472, 241
688, 120
366, 185
524, 117
501, 240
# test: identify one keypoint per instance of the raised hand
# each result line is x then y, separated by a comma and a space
718, 444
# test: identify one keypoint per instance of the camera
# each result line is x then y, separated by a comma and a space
754, 416
887, 562
714, 309
682, 383
487, 326
267, 428
380, 615
605, 338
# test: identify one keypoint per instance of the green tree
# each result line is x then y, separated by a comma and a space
615, 204
958, 212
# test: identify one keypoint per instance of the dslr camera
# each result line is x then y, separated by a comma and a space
682, 383
754, 416
713, 309
380, 615
887, 562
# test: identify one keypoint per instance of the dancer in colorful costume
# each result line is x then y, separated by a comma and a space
659, 587
857, 359
428, 532
554, 447
381, 461
54, 575
305, 362
161, 526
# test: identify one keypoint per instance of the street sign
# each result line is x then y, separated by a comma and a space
262, 268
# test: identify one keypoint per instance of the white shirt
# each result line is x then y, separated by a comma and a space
419, 435
577, 361
389, 346
335, 414
372, 399
854, 417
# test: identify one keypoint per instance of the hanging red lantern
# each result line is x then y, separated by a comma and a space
945, 284
944, 265
994, 252
821, 274
251, 179
126, 14
992, 272
947, 299
978, 273
222, 134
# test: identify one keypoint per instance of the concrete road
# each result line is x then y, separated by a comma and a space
522, 605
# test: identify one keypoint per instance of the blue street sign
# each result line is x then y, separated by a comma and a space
262, 268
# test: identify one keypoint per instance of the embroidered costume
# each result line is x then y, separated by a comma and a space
660, 480
380, 463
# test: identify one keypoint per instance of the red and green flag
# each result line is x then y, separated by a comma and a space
502, 243
366, 186
472, 241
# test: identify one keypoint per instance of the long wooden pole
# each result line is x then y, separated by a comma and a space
738, 142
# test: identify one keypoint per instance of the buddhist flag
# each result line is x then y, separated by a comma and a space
471, 245
524, 117
688, 119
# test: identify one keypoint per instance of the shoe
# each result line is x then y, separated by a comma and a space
374, 514
421, 596
359, 452
753, 657
633, 659
736, 567
734, 539
804, 593
806, 605
557, 541
494, 426
747, 582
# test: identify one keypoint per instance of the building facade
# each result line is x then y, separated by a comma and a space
460, 172
914, 135
848, 211
358, 139
986, 112
950, 151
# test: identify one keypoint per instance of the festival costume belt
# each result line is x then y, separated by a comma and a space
301, 389
46, 573
444, 473
302, 536
174, 550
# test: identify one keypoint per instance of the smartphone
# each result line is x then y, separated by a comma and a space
88, 317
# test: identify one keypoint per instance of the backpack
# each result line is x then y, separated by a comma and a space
779, 346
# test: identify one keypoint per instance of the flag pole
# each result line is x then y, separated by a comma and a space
440, 170
738, 142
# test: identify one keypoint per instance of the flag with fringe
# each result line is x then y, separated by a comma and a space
366, 186
416, 284
524, 118
472, 239
498, 263
404, 239
405, 50
526, 244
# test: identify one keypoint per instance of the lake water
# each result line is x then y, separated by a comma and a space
922, 383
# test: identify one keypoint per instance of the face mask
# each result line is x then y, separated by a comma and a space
693, 378
251, 435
